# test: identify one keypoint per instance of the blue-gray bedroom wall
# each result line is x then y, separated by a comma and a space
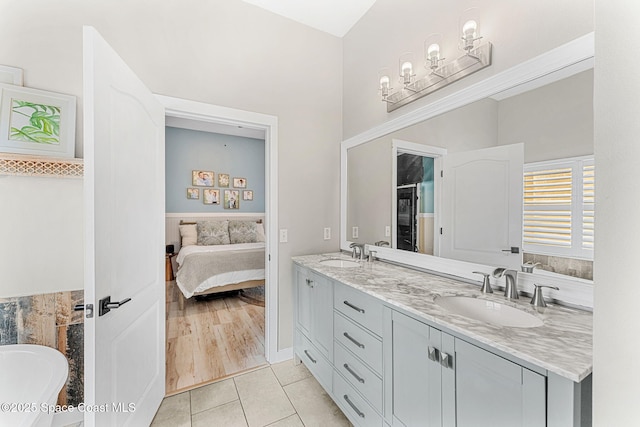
189, 150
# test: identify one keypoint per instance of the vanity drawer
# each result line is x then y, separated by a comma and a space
359, 307
353, 405
359, 375
314, 360
356, 339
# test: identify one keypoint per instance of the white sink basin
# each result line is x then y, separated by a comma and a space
31, 374
489, 311
341, 263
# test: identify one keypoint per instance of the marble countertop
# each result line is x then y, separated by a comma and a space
563, 345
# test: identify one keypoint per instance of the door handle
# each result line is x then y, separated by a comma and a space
84, 307
106, 305
513, 250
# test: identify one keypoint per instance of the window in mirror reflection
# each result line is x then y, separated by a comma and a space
558, 215
415, 203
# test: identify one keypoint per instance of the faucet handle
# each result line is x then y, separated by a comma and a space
538, 299
486, 284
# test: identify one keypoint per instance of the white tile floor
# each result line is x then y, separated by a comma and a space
282, 395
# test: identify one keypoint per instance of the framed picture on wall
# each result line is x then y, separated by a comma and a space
223, 180
202, 178
36, 122
211, 196
231, 199
239, 183
247, 195
193, 193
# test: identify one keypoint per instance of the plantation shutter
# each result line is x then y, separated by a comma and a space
558, 209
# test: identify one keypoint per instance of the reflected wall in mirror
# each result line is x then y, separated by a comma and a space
554, 121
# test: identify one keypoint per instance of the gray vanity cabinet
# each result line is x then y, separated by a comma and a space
434, 379
484, 380
313, 295
419, 388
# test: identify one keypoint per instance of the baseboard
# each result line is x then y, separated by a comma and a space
281, 355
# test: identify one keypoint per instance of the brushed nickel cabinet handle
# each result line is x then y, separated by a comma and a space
354, 407
309, 356
358, 309
356, 376
353, 340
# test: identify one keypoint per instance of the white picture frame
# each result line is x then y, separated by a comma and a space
37, 122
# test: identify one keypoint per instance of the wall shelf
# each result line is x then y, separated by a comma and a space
20, 165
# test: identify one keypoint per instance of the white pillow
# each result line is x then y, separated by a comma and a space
189, 234
260, 233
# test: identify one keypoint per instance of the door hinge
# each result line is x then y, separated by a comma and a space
441, 174
440, 230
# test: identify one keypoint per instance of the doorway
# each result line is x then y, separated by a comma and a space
415, 204
201, 116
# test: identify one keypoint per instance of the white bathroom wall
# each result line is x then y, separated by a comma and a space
554, 121
41, 240
223, 52
519, 30
616, 378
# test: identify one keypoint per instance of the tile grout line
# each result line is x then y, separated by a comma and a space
244, 413
288, 398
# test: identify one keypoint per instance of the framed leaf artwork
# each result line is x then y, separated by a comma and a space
37, 122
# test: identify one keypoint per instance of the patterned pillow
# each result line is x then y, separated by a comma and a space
243, 231
213, 232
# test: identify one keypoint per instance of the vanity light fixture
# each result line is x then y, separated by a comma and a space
439, 75
385, 82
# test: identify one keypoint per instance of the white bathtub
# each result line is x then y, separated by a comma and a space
31, 378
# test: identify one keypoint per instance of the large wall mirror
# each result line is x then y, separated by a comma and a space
394, 194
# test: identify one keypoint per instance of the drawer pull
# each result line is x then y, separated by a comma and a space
353, 340
356, 376
434, 354
354, 407
358, 309
309, 356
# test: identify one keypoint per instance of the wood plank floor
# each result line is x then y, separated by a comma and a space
212, 339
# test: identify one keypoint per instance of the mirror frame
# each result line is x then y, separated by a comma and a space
561, 62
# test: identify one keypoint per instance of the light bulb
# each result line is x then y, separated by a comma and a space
433, 51
384, 82
469, 29
407, 67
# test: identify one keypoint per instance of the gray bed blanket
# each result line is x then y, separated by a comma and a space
198, 270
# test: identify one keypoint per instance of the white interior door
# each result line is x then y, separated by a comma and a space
482, 205
124, 246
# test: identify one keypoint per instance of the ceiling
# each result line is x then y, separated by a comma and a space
335, 17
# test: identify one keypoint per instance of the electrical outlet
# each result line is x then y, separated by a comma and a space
354, 232
284, 235
327, 233
387, 231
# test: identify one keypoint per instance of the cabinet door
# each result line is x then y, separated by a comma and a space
492, 391
322, 314
417, 380
303, 301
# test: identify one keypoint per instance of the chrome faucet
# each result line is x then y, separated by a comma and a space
358, 250
511, 280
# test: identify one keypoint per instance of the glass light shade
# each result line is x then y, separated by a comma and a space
432, 54
385, 82
406, 67
469, 27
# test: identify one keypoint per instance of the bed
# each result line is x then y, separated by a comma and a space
212, 262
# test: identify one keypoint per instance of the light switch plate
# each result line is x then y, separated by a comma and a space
327, 233
354, 232
284, 235
387, 231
